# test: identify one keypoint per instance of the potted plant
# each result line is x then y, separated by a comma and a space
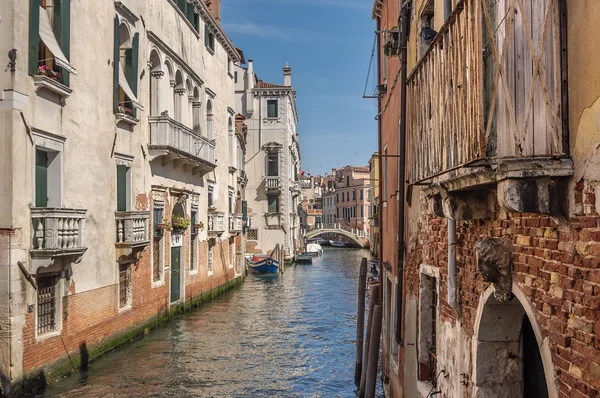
45, 70
199, 226
180, 224
125, 110
166, 225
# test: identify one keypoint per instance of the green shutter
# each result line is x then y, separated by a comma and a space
197, 22
206, 34
121, 188
34, 35
116, 67
62, 30
41, 178
244, 210
134, 67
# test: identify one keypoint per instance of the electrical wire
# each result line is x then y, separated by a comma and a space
370, 65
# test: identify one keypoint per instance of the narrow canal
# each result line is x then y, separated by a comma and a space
284, 336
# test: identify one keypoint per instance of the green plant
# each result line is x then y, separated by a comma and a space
179, 222
199, 226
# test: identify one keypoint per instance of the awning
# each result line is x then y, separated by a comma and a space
47, 36
128, 91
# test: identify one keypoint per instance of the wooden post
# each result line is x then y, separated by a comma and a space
373, 353
373, 298
360, 320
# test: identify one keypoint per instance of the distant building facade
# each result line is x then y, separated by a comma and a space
352, 197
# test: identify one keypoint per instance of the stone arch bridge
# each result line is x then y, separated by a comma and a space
355, 236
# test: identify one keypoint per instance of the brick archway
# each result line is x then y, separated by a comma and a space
498, 346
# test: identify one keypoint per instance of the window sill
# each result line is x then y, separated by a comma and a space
47, 83
271, 119
46, 336
194, 271
211, 273
158, 284
127, 119
210, 50
125, 308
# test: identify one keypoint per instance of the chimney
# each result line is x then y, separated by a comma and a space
287, 75
214, 6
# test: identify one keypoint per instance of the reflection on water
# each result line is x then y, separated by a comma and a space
286, 336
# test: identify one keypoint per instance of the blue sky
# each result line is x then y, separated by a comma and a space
328, 46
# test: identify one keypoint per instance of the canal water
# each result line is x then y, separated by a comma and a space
275, 336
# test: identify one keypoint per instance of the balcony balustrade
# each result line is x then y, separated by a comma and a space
235, 223
132, 232
216, 223
273, 183
56, 233
173, 142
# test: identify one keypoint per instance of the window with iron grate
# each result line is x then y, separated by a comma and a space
252, 234
124, 285
47, 304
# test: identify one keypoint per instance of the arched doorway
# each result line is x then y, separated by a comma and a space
509, 358
176, 245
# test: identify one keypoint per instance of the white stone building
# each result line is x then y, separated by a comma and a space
121, 172
273, 160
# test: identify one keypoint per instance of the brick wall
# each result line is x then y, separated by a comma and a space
93, 317
556, 264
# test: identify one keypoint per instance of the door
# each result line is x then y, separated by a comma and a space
41, 178
175, 273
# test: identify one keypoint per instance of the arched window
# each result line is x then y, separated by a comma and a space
156, 74
196, 105
209, 120
166, 100
126, 67
230, 140
178, 92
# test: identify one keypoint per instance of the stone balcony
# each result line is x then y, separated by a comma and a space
235, 223
273, 183
216, 223
172, 142
132, 233
56, 233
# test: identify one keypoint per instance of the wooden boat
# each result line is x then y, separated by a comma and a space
337, 243
304, 258
314, 249
262, 264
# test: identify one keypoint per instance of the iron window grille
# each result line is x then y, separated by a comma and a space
47, 304
124, 284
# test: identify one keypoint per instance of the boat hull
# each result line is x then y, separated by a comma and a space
265, 265
304, 259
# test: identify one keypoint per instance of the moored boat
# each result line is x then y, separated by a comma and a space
337, 243
314, 249
304, 258
262, 264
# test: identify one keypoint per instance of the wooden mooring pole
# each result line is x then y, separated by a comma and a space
373, 299
360, 320
373, 353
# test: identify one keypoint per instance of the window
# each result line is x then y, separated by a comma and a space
337, 212
362, 195
211, 249
347, 181
193, 241
188, 11
47, 178
49, 39
210, 195
272, 108
252, 234
235, 77
273, 201
123, 188
362, 211
124, 285
125, 72
337, 197
231, 252
272, 164
157, 242
230, 201
428, 302
229, 65
209, 120
354, 194
47, 304
385, 175
209, 38
347, 196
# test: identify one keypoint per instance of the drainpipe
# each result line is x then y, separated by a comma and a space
452, 265
403, 36
380, 160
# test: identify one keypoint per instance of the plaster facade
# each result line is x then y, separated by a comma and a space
273, 160
95, 163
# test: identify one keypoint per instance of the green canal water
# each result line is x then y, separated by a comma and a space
283, 336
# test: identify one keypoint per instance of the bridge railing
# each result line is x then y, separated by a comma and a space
361, 233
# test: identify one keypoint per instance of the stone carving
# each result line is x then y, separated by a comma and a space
182, 198
494, 262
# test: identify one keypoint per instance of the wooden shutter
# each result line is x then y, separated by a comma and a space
62, 31
116, 67
133, 81
206, 34
121, 188
41, 178
34, 35
244, 210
